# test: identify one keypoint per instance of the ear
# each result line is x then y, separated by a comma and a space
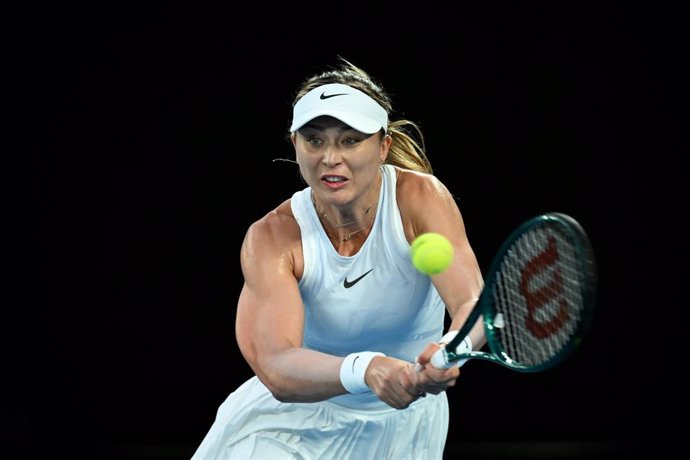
385, 147
293, 138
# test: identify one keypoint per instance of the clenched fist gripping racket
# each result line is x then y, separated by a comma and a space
537, 299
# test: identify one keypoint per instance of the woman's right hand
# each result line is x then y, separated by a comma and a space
395, 382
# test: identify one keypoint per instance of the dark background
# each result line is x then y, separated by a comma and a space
148, 139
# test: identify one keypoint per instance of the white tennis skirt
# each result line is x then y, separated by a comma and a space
252, 425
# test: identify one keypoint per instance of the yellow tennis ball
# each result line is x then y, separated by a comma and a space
431, 253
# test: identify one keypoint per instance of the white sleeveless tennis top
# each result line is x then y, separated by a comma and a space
374, 300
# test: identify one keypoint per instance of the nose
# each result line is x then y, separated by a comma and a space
331, 155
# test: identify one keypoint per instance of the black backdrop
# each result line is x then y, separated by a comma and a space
150, 140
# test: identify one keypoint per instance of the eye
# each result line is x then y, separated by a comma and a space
350, 140
313, 140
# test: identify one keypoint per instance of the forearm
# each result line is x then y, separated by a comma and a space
300, 375
476, 334
460, 315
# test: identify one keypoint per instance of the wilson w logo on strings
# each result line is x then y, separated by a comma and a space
541, 284
538, 280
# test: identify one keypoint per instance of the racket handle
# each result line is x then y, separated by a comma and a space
440, 360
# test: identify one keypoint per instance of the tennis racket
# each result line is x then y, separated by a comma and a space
537, 299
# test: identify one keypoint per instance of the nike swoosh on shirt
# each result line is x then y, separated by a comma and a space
348, 284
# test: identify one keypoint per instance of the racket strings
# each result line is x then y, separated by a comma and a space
539, 292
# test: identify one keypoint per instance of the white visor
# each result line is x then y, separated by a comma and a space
347, 104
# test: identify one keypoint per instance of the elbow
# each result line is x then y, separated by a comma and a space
281, 393
279, 378
278, 388
283, 397
271, 379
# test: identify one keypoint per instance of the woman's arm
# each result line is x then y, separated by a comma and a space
427, 205
270, 316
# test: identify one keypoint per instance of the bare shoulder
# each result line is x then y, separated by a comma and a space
275, 235
417, 191
422, 199
413, 183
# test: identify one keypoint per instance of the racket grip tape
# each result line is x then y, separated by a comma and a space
440, 359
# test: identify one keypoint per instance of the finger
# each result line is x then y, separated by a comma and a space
418, 367
425, 356
401, 393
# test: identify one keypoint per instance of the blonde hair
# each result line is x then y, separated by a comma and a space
407, 147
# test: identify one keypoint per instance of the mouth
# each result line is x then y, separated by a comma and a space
333, 181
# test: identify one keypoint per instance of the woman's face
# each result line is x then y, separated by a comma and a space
339, 163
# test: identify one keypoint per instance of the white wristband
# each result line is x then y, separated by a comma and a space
463, 347
450, 335
353, 368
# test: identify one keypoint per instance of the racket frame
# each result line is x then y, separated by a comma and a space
485, 307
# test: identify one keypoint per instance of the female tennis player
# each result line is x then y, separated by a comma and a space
333, 318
